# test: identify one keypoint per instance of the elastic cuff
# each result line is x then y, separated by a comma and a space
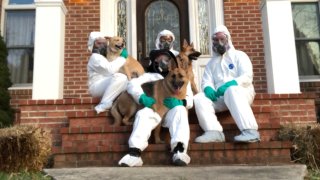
179, 147
184, 102
135, 152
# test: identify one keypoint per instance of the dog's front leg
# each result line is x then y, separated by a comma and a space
127, 71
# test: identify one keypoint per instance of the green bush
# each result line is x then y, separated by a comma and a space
6, 112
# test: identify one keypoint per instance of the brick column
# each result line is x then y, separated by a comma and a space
49, 49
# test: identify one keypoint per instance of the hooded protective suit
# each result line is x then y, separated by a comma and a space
166, 33
103, 77
232, 65
146, 120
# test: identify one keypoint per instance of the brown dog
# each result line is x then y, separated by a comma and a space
132, 68
173, 85
124, 107
186, 63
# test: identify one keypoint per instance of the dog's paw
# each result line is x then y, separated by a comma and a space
116, 123
127, 123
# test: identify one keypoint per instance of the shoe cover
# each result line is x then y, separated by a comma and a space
180, 159
248, 135
101, 108
130, 161
211, 136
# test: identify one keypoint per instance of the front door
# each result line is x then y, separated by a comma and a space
154, 16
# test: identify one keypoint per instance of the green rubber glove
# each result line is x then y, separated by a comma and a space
146, 101
124, 53
222, 89
172, 102
210, 93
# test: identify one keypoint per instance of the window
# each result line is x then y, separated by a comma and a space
306, 21
19, 29
161, 15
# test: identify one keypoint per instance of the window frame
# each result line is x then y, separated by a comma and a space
4, 9
310, 78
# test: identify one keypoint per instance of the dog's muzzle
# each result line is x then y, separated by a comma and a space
177, 85
119, 46
194, 56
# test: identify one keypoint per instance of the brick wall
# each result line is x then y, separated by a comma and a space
313, 87
82, 18
56, 114
243, 19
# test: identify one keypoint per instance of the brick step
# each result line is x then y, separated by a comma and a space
101, 136
265, 153
89, 119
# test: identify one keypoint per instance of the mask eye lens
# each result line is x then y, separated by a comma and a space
219, 40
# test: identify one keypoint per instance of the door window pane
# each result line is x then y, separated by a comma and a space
306, 23
161, 15
203, 20
19, 37
122, 19
21, 2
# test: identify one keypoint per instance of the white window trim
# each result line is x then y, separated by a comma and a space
305, 1
307, 78
6, 6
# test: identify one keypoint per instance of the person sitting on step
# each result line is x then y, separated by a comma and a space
227, 85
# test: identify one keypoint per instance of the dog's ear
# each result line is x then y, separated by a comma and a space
107, 38
192, 45
185, 44
173, 64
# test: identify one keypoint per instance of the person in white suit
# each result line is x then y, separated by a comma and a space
104, 81
165, 40
146, 119
226, 85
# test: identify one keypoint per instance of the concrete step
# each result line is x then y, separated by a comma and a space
248, 172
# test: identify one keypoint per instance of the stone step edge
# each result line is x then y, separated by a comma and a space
120, 129
90, 100
87, 113
166, 147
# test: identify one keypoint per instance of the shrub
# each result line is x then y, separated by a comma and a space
306, 144
6, 112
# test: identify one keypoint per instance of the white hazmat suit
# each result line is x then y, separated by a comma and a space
166, 33
104, 81
176, 119
232, 65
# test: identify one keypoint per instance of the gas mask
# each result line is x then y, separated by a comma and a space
161, 65
219, 48
160, 61
165, 45
220, 43
102, 49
